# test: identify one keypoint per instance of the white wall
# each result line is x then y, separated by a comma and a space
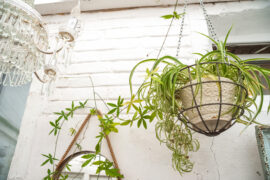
109, 46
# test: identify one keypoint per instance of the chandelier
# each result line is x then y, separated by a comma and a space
24, 43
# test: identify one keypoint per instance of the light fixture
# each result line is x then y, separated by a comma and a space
24, 43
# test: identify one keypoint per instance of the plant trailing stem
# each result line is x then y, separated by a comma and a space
74, 139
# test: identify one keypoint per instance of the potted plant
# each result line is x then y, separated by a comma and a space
208, 97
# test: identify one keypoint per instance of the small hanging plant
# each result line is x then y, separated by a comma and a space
208, 97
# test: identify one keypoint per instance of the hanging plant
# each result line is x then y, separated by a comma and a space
208, 97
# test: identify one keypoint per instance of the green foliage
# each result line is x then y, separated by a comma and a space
72, 131
174, 15
55, 126
49, 159
116, 107
143, 117
89, 158
68, 167
108, 168
159, 95
49, 175
62, 114
132, 103
63, 177
103, 165
78, 146
93, 111
107, 125
157, 99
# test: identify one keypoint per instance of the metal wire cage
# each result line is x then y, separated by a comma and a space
212, 105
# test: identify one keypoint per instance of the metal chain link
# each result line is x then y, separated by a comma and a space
181, 28
209, 23
211, 28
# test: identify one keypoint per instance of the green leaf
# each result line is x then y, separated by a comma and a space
147, 117
115, 130
88, 156
144, 124
133, 70
93, 111
168, 16
97, 148
64, 177
139, 123
227, 35
98, 162
64, 115
135, 107
81, 104
79, 146
49, 159
156, 79
125, 123
112, 105
45, 162
216, 43
72, 131
112, 111
160, 115
113, 173
55, 126
86, 162
152, 117
134, 116
68, 167
57, 113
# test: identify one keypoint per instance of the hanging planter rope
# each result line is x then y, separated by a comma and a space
212, 106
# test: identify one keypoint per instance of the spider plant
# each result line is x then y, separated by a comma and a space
159, 95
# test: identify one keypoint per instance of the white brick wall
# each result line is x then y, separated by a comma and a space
109, 46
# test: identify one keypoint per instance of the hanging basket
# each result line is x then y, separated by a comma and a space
211, 106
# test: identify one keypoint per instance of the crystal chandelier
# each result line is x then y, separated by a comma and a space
24, 43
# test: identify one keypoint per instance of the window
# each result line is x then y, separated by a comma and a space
250, 36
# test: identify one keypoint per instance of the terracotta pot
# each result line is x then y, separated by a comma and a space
210, 94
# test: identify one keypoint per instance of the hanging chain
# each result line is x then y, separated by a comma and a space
209, 23
181, 28
211, 28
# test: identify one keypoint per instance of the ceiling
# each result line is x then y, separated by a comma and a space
64, 6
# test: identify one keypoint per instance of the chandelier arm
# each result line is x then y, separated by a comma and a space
50, 52
38, 77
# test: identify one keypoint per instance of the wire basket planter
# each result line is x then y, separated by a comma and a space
211, 106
